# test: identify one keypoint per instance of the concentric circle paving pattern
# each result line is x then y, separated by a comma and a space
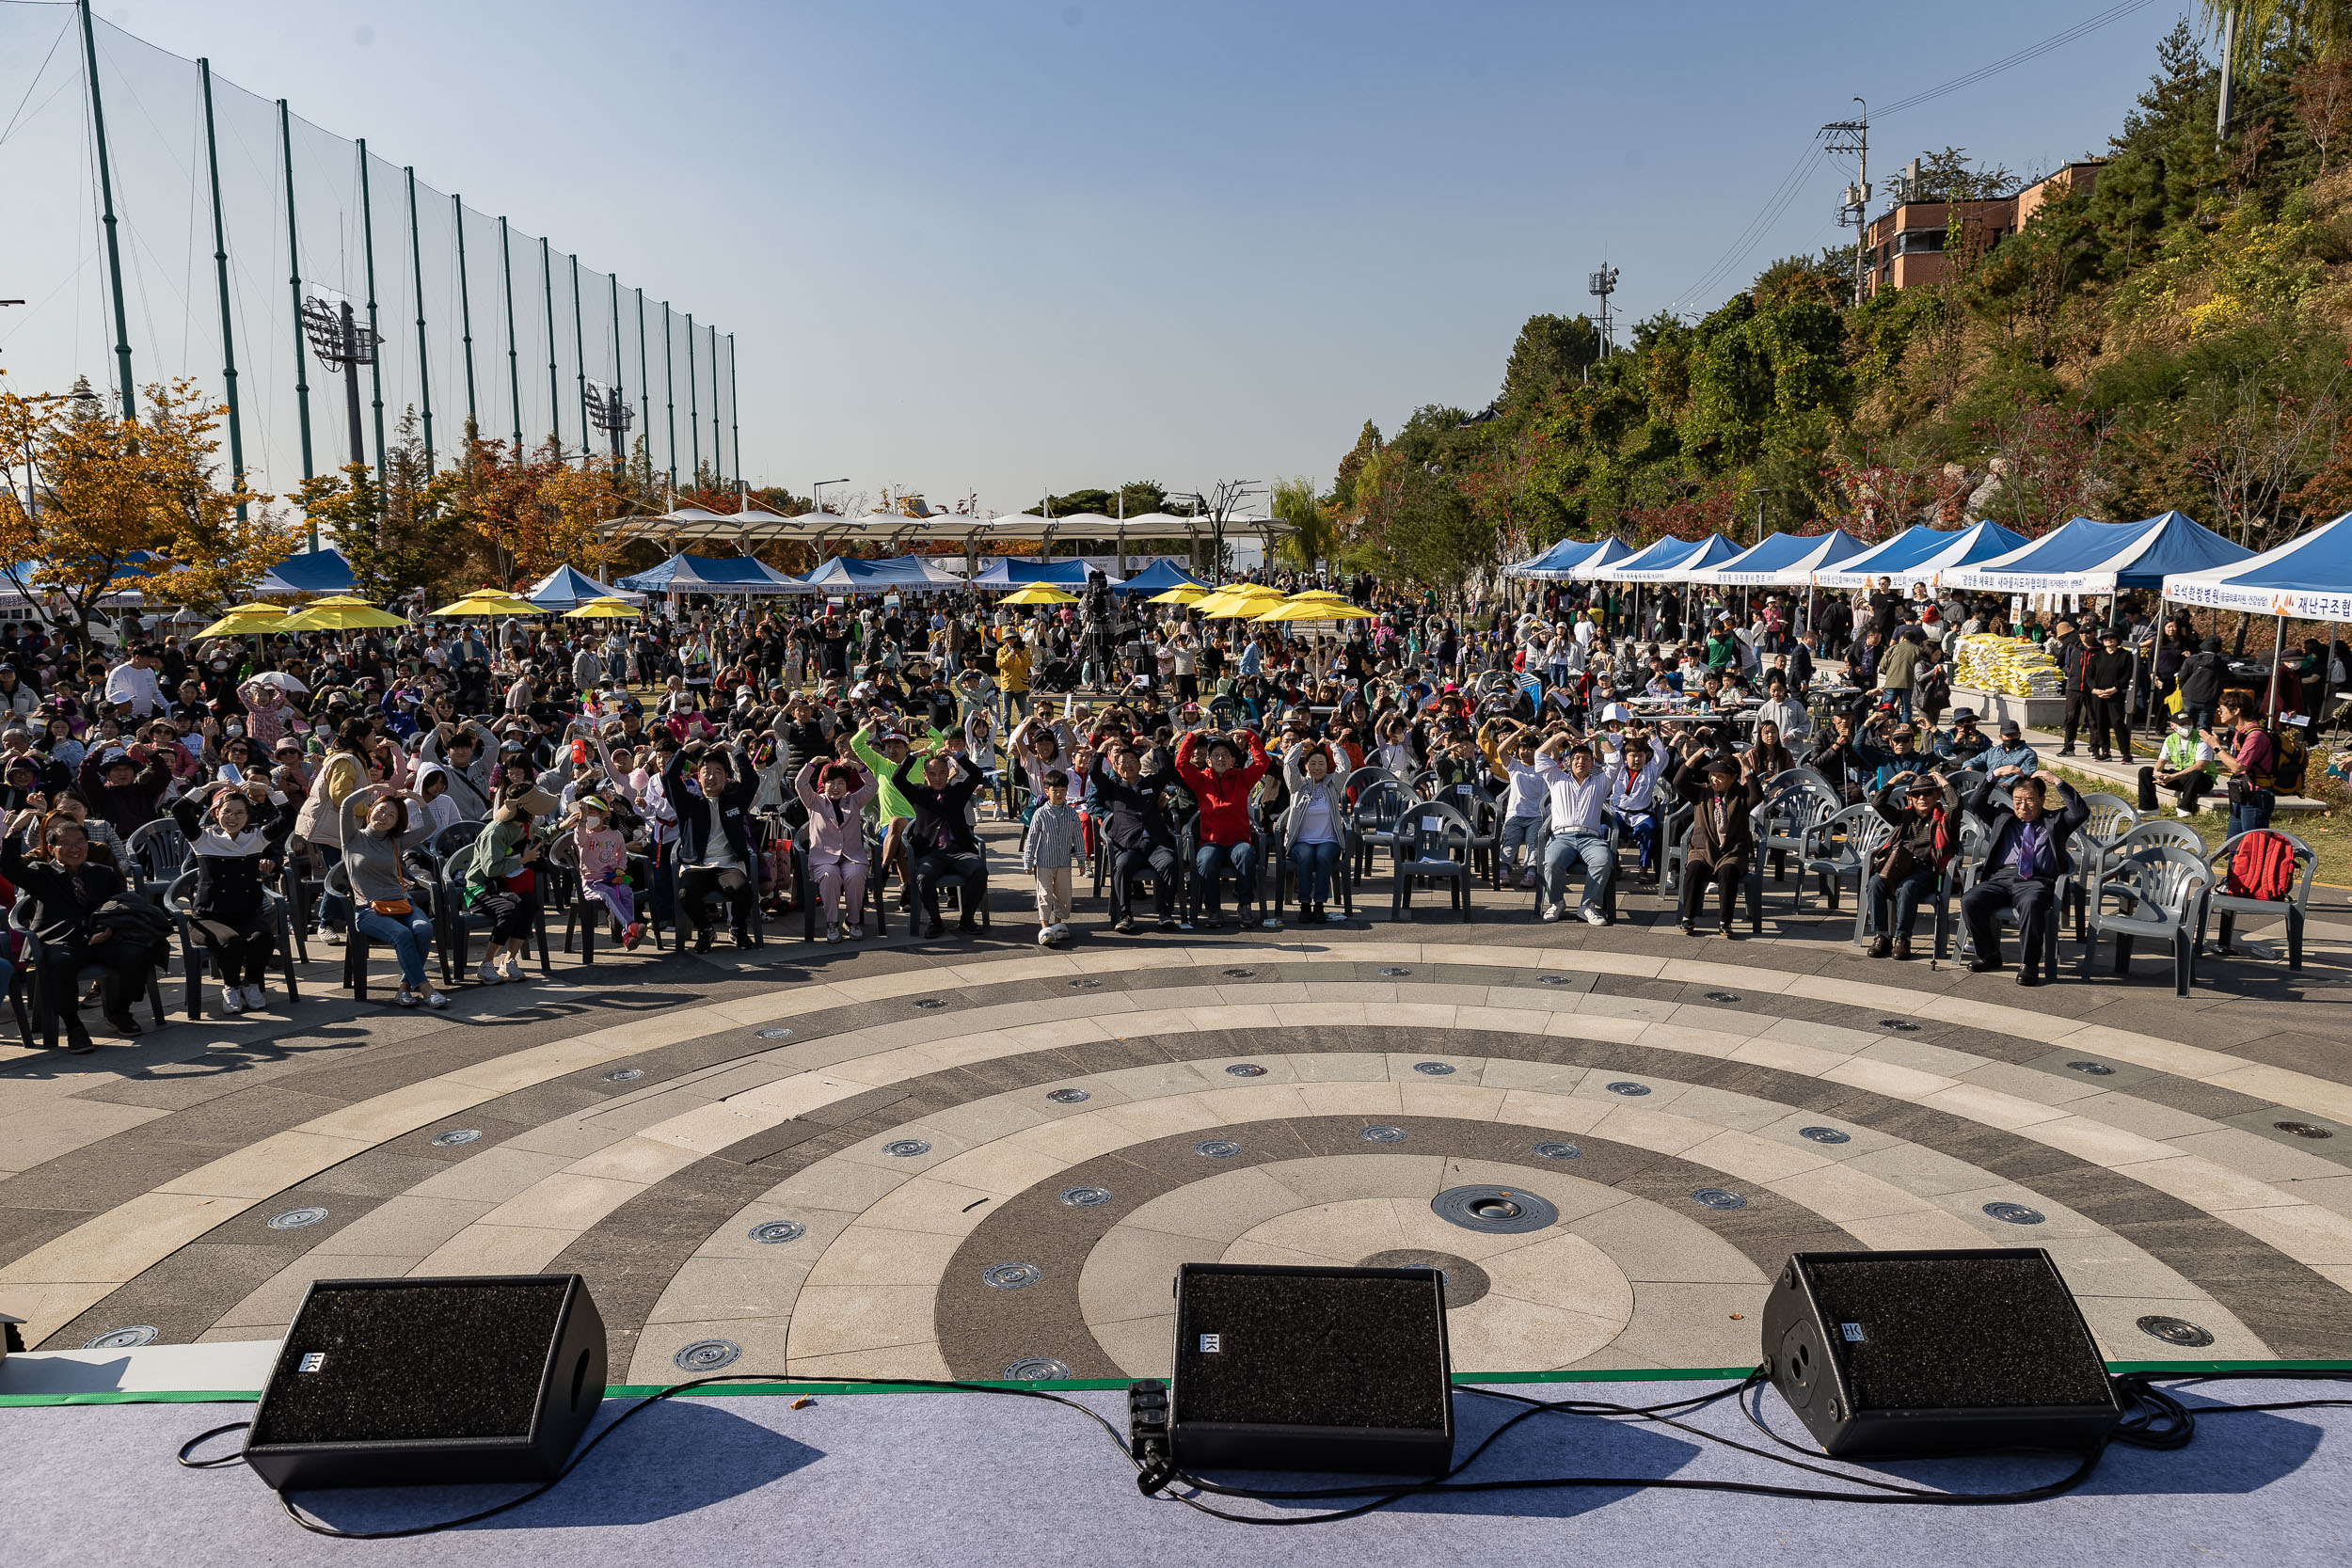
989, 1162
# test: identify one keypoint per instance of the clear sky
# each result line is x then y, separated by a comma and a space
1008, 246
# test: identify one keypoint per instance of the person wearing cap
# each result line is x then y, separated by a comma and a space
2066, 646
881, 746
1904, 870
1220, 780
470, 751
2203, 673
1721, 845
2006, 759
602, 856
1965, 743
2106, 677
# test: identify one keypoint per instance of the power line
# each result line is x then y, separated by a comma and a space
2056, 41
1748, 238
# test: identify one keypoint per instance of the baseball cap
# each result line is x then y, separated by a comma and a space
2009, 728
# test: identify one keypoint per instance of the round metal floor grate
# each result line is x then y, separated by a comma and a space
1824, 1134
1629, 1090
1559, 1152
1718, 1198
2175, 1331
1434, 1069
776, 1233
2302, 1130
295, 1219
1086, 1198
1465, 1281
1038, 1368
906, 1148
1216, 1148
773, 1035
1244, 1070
1499, 1210
2014, 1213
124, 1338
455, 1136
1067, 1097
1011, 1276
1085, 984
1555, 979
2091, 1069
624, 1075
1383, 1135
707, 1355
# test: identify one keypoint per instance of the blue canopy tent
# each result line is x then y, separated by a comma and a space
566, 589
1612, 550
1159, 577
313, 572
696, 574
1017, 572
2309, 577
1675, 564
1781, 560
1916, 554
2092, 558
1555, 562
909, 573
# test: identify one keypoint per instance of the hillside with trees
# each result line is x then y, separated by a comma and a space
2173, 337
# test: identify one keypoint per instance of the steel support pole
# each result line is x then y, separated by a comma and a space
618, 402
555, 384
694, 403
514, 356
579, 355
645, 379
735, 411
669, 383
220, 267
424, 370
465, 315
376, 348
294, 282
106, 198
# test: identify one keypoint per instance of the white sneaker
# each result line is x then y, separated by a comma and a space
1552, 912
512, 970
2182, 811
1045, 936
1594, 917
489, 973
255, 999
436, 1001
232, 1001
406, 998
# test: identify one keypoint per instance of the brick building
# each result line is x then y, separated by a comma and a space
1907, 245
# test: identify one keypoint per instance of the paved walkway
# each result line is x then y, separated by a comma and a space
959, 1156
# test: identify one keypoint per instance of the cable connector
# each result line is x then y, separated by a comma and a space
1147, 1435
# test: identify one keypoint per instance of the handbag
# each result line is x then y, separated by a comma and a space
392, 907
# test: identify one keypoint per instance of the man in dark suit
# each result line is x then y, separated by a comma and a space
1723, 840
2025, 856
68, 890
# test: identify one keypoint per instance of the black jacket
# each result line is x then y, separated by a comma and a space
1989, 803
1136, 816
57, 915
696, 813
226, 886
940, 827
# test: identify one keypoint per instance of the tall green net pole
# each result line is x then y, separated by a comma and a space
693, 402
718, 447
579, 356
294, 285
734, 410
618, 400
669, 382
555, 395
465, 315
424, 372
514, 355
106, 196
375, 361
220, 267
645, 380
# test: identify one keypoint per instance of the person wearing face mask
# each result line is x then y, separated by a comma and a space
834, 795
377, 829
2184, 766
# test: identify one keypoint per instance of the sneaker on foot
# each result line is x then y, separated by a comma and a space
512, 970
1594, 917
232, 1001
1552, 912
489, 973
404, 998
435, 1000
2181, 812
635, 933
255, 998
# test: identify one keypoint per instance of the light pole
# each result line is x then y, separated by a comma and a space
610, 412
338, 338
817, 493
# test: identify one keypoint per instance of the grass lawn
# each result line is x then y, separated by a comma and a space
2329, 833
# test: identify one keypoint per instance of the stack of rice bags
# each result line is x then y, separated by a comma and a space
2013, 666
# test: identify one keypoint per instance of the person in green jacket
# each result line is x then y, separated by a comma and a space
882, 747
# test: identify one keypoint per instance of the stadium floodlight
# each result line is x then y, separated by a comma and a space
338, 339
610, 412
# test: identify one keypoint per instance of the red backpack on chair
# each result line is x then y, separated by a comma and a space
2261, 866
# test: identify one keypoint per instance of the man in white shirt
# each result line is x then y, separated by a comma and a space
1579, 801
135, 681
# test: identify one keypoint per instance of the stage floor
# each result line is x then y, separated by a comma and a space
973, 1480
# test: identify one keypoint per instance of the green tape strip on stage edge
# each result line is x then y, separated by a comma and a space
1086, 1385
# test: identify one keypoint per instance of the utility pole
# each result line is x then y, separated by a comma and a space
1853, 135
1600, 285
220, 267
2221, 110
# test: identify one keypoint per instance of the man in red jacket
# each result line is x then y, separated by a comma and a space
1222, 788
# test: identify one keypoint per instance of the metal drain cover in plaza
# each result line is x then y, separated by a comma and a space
2014, 1213
295, 1219
1086, 1198
1244, 1070
1067, 1097
1038, 1368
1216, 1148
455, 1136
1559, 1152
123, 1339
1011, 1276
1383, 1135
778, 1231
773, 1035
1393, 972
624, 1075
2091, 1069
1503, 1211
1434, 1069
929, 1003
2175, 1331
1628, 1089
707, 1355
2302, 1130
1465, 1281
906, 1148
1718, 1198
1824, 1134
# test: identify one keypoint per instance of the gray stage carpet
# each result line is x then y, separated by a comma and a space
976, 1482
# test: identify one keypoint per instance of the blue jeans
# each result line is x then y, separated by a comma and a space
1899, 900
1641, 828
1593, 849
1517, 843
2253, 812
1315, 862
334, 908
1237, 861
410, 936
1901, 697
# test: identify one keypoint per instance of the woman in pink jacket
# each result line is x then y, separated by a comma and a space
836, 841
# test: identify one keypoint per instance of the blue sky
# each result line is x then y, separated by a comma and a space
1014, 246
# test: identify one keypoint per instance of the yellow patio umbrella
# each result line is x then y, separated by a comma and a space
491, 601
1236, 592
338, 612
1039, 592
245, 620
1314, 610
604, 610
1182, 593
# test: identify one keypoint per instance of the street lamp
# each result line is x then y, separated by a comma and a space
338, 338
611, 413
817, 493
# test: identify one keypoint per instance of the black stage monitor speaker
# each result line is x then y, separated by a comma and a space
1289, 1368
410, 1382
1884, 1355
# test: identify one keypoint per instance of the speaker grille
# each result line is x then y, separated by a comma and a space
442, 1361
1311, 1349
1957, 1334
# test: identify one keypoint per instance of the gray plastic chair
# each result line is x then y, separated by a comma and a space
2295, 907
1836, 847
2111, 818
1431, 840
2160, 894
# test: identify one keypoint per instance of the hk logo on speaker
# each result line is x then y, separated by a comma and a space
1212, 1343
1853, 1333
